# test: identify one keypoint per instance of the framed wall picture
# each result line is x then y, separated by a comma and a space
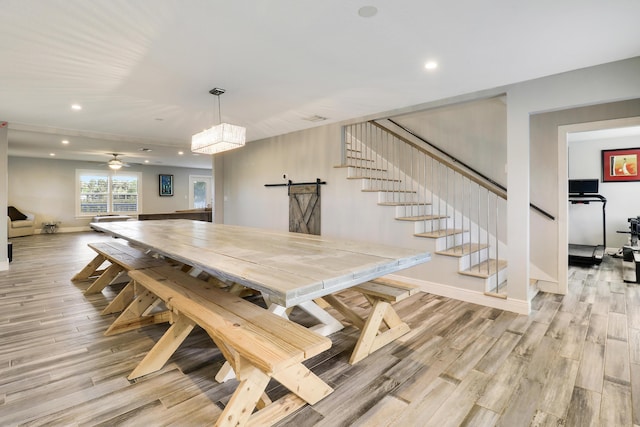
620, 165
166, 185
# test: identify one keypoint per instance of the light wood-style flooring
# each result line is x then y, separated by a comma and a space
574, 361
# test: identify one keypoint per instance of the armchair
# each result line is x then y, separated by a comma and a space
22, 224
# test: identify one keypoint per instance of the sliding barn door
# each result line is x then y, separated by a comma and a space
304, 209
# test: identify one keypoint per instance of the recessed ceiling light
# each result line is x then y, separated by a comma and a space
431, 65
146, 161
65, 141
368, 11
180, 153
76, 107
52, 154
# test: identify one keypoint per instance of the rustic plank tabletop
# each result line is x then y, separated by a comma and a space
290, 267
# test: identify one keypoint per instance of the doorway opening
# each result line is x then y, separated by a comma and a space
200, 191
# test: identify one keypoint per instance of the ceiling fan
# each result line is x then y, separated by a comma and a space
116, 163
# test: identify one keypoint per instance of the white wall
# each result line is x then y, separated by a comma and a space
46, 187
474, 132
311, 154
585, 224
586, 87
4, 147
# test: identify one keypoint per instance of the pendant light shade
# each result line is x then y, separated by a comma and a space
218, 138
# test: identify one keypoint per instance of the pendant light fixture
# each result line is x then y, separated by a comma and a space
218, 138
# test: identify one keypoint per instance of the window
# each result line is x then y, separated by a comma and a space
105, 192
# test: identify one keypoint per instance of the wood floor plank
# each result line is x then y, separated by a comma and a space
597, 332
557, 391
384, 413
574, 361
584, 409
503, 384
615, 408
635, 394
459, 403
419, 412
591, 370
616, 365
617, 328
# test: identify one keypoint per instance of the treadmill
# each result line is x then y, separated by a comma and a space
585, 192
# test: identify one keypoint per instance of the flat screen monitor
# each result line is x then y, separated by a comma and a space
583, 186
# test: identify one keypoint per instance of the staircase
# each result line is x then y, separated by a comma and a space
452, 207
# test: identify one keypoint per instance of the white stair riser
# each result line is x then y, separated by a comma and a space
473, 258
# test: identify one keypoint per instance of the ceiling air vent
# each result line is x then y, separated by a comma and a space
315, 118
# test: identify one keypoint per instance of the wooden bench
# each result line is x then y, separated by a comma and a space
380, 293
122, 258
258, 344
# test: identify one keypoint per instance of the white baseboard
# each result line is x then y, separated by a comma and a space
68, 229
547, 286
508, 304
4, 265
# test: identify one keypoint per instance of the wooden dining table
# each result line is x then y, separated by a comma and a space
289, 269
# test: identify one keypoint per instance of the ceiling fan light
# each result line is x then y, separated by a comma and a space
219, 138
115, 166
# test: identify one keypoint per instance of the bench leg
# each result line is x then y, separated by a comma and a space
243, 401
134, 316
371, 339
104, 279
164, 348
121, 301
225, 373
345, 310
301, 381
90, 269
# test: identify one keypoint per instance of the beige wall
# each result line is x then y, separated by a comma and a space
46, 187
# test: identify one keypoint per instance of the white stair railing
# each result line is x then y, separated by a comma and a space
444, 198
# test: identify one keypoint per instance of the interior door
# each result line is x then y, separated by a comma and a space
200, 191
304, 209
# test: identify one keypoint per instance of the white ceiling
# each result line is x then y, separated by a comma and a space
142, 69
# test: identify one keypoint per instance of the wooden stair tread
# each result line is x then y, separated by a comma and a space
482, 270
360, 159
402, 204
439, 233
373, 190
367, 168
374, 178
499, 292
459, 251
421, 217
